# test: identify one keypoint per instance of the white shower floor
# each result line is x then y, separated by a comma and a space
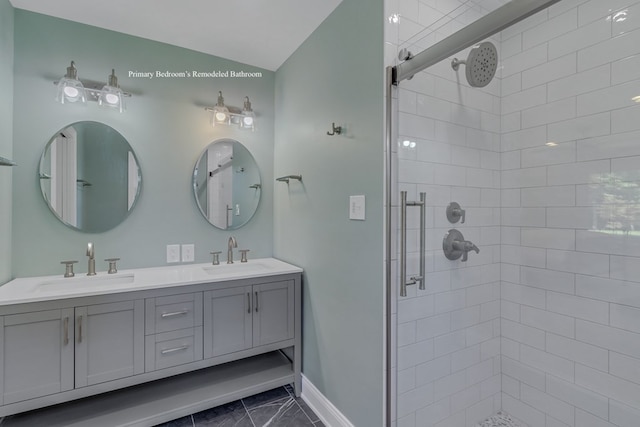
501, 419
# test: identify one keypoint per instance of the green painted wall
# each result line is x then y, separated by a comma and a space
6, 135
336, 76
166, 125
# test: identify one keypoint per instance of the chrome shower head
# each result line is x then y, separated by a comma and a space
481, 64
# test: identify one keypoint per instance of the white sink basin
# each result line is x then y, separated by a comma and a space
80, 282
236, 268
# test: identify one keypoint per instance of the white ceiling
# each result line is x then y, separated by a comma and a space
263, 33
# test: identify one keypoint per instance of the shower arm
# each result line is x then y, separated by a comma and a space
488, 25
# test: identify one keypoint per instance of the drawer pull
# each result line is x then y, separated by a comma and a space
173, 350
174, 313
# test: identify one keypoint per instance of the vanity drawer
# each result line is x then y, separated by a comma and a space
173, 348
172, 313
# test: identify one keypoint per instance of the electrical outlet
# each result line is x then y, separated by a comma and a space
188, 253
173, 253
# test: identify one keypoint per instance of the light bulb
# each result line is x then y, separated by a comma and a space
220, 116
71, 92
111, 98
248, 121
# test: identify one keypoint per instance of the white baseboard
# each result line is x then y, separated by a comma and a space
324, 409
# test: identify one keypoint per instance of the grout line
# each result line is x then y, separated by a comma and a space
248, 414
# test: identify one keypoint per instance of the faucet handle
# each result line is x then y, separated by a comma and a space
216, 257
112, 265
69, 268
455, 213
243, 256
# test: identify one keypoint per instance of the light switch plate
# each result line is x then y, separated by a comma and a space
356, 207
188, 253
173, 253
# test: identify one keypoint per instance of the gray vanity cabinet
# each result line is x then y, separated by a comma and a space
36, 354
48, 352
109, 342
241, 318
185, 348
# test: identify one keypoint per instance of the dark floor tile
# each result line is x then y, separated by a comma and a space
318, 424
266, 397
230, 415
312, 415
180, 422
283, 412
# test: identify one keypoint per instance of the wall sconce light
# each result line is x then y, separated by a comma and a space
72, 89
111, 94
221, 114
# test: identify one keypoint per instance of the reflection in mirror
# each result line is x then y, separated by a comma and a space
89, 176
226, 184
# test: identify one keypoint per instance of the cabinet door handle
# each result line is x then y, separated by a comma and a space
256, 301
249, 302
173, 350
66, 330
79, 328
174, 313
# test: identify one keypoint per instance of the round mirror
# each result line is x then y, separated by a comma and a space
89, 176
226, 184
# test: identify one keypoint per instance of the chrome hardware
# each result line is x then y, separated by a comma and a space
455, 213
243, 255
288, 177
79, 329
113, 268
232, 243
66, 331
404, 54
173, 350
68, 272
216, 257
249, 302
174, 313
454, 246
403, 242
91, 271
335, 130
256, 301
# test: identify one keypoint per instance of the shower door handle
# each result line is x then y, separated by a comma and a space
403, 242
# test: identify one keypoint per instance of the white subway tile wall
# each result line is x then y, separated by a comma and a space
570, 334
544, 322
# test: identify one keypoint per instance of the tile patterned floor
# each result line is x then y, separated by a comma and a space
274, 408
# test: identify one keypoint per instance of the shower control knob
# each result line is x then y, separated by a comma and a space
454, 246
455, 213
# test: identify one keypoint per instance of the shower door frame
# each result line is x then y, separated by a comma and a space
490, 24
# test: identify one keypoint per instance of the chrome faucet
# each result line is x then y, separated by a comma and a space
232, 244
92, 262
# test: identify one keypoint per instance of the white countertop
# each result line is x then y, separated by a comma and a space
46, 288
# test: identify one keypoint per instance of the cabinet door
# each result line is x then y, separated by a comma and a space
109, 342
273, 307
36, 354
227, 321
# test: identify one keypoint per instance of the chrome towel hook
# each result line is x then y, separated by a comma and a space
335, 130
